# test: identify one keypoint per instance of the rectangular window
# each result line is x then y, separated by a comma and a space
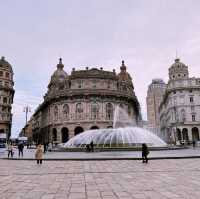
80, 83
191, 99
7, 75
193, 118
5, 100
1, 73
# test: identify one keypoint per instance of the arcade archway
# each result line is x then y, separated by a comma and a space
195, 134
94, 127
65, 134
54, 134
2, 131
78, 130
185, 134
178, 134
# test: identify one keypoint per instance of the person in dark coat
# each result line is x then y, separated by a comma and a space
145, 152
20, 149
193, 143
88, 149
92, 146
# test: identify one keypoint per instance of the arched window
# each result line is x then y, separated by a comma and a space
56, 112
79, 108
183, 115
66, 111
54, 134
121, 105
94, 110
195, 133
109, 111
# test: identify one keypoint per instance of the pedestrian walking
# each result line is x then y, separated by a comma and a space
88, 149
10, 149
39, 154
193, 143
20, 149
145, 152
45, 147
92, 146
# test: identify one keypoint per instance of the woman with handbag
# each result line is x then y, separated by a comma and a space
39, 154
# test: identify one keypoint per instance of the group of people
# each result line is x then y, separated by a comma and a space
11, 151
145, 150
90, 147
38, 153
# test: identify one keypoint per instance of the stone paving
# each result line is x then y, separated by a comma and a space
110, 179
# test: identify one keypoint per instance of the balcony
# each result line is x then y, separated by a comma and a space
83, 117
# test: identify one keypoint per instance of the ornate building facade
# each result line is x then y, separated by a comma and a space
85, 99
6, 98
155, 94
180, 107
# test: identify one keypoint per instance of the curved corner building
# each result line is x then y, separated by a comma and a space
85, 99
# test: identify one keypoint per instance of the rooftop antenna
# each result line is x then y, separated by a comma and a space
176, 54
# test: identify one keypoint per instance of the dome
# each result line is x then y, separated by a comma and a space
123, 75
59, 75
5, 65
178, 70
178, 64
158, 81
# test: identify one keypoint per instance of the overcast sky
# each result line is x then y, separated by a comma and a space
95, 33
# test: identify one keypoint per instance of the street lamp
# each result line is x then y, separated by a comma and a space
27, 109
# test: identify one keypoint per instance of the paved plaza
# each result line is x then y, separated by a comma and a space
126, 179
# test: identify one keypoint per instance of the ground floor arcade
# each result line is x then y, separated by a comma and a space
181, 134
62, 133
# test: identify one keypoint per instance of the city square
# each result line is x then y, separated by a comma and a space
99, 99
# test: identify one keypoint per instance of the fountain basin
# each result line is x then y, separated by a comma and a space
128, 137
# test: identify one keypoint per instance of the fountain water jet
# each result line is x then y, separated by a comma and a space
122, 135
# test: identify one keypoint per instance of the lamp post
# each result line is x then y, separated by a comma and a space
27, 109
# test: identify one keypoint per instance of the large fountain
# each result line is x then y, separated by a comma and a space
123, 134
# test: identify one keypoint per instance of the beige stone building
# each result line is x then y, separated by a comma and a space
6, 97
85, 99
155, 94
180, 107
27, 131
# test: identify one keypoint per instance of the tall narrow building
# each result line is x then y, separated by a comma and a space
154, 97
6, 98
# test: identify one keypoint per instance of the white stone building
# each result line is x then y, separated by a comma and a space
85, 99
180, 107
